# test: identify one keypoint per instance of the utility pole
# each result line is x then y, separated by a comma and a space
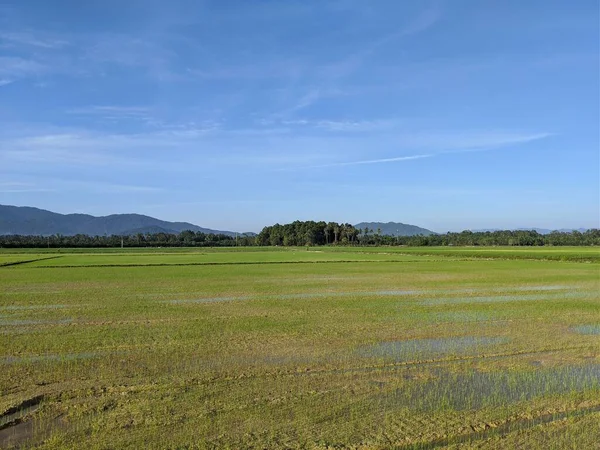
121, 241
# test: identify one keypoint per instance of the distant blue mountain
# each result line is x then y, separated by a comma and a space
25, 220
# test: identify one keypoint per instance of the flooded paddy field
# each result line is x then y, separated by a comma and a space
291, 348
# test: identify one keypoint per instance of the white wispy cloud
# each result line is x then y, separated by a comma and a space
151, 118
36, 53
5, 81
307, 97
12, 67
208, 147
422, 22
115, 113
270, 68
349, 64
474, 141
49, 184
31, 39
16, 187
373, 161
461, 144
320, 81
112, 109
24, 190
112, 188
132, 51
346, 125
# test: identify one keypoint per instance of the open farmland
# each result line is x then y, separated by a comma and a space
364, 348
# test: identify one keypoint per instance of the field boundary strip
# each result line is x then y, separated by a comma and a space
333, 261
241, 263
16, 263
514, 257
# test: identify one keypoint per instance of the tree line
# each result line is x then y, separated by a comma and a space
494, 238
307, 233
183, 239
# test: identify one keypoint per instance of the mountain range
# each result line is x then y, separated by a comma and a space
26, 220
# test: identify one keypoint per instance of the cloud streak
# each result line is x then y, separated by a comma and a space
492, 142
16, 67
62, 185
30, 39
373, 161
202, 145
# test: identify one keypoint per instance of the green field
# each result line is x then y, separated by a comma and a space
328, 348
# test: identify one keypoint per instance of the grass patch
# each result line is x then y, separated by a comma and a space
289, 348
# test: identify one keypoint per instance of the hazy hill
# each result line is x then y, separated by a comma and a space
25, 220
394, 228
539, 230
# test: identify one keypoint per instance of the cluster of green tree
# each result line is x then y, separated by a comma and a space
183, 239
308, 233
491, 238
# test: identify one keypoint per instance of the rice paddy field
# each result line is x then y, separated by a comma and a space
326, 348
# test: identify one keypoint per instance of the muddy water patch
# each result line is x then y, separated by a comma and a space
542, 288
395, 293
401, 292
504, 298
466, 316
426, 348
377, 293
205, 300
299, 296
49, 358
593, 329
20, 427
14, 428
476, 390
34, 307
14, 414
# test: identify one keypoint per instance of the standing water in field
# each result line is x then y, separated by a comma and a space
427, 348
473, 389
394, 293
48, 357
588, 329
505, 298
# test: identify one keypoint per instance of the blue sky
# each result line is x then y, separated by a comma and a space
238, 114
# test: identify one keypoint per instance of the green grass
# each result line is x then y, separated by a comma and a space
581, 254
575, 254
287, 348
192, 258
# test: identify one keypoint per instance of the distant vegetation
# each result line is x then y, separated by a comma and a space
183, 239
496, 238
394, 228
307, 233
